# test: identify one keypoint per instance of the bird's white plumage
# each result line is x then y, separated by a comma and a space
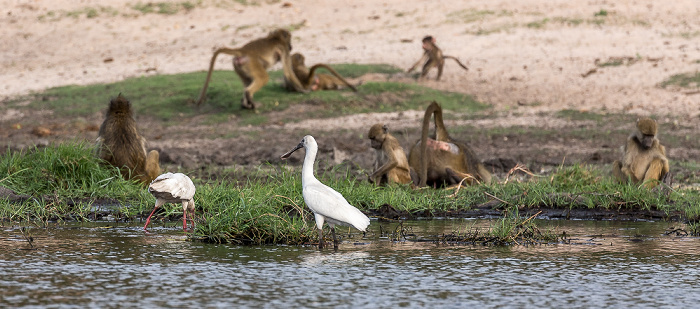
327, 204
172, 187
334, 208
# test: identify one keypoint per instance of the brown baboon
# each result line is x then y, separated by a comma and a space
644, 160
433, 57
443, 160
120, 143
314, 82
252, 61
390, 164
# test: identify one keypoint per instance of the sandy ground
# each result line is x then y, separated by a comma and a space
520, 53
527, 58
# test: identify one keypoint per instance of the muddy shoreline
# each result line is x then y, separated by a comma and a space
105, 210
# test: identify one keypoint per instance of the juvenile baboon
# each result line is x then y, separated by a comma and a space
251, 62
443, 160
390, 164
644, 158
314, 82
433, 57
120, 143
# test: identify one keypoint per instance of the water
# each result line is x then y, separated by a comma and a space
107, 265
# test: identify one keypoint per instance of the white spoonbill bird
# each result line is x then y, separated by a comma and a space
327, 204
173, 188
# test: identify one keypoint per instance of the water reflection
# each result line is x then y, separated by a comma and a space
605, 264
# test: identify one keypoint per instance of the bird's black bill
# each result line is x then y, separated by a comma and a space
286, 155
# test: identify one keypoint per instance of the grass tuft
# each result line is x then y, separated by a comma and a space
62, 181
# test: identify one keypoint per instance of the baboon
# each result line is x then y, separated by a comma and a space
390, 164
251, 62
443, 160
120, 143
318, 81
433, 57
644, 160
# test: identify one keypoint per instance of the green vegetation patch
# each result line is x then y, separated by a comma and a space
168, 97
469, 15
601, 13
511, 229
683, 80
87, 12
269, 207
571, 114
61, 182
165, 8
537, 24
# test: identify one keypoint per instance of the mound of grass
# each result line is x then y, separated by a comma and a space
62, 181
68, 170
508, 230
269, 207
260, 212
169, 97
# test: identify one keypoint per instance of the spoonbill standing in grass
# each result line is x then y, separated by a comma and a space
173, 188
327, 204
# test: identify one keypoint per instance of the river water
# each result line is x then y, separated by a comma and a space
115, 265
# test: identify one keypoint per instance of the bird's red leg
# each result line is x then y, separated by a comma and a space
184, 220
148, 221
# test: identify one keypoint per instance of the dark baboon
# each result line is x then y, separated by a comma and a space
120, 143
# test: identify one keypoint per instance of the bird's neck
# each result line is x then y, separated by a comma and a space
307, 169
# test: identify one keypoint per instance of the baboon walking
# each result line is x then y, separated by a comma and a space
251, 62
433, 57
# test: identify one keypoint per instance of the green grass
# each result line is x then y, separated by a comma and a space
62, 181
689, 34
684, 80
568, 21
169, 97
538, 24
66, 181
165, 8
611, 63
88, 12
469, 15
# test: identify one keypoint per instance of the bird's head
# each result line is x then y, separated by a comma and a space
308, 142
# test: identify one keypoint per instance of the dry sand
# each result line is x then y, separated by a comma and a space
528, 55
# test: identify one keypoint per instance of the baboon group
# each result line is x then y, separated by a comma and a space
438, 160
443, 161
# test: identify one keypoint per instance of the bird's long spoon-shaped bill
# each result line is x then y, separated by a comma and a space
286, 155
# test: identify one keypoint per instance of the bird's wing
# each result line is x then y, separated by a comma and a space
178, 185
329, 203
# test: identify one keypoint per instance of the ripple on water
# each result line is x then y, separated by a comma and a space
85, 267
